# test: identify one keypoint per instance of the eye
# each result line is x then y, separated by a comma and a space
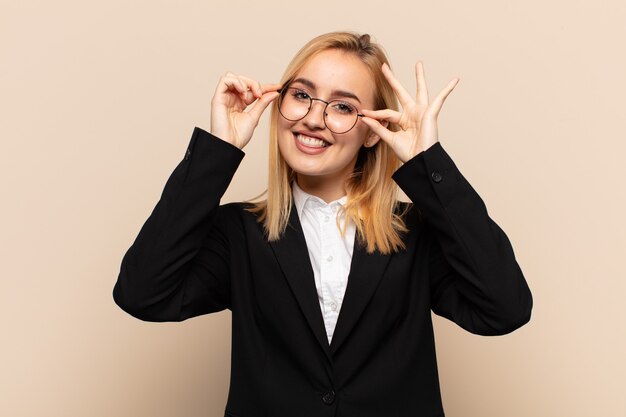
343, 107
299, 94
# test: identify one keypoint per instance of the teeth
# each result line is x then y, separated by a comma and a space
313, 142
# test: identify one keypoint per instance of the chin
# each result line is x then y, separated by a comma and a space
306, 167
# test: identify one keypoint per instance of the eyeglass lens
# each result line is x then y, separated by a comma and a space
340, 116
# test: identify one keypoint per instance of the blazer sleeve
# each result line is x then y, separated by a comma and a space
178, 265
475, 279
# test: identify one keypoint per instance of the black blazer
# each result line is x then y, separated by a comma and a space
194, 256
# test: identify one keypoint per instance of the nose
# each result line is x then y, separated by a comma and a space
315, 118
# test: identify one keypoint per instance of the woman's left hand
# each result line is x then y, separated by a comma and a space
418, 118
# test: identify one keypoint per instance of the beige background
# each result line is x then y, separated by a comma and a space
98, 101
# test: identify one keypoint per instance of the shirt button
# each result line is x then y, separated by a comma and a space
326, 218
333, 306
330, 258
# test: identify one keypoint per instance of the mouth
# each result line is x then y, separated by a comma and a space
310, 141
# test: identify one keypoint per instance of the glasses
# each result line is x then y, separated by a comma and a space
339, 116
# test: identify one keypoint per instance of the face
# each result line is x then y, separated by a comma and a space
307, 145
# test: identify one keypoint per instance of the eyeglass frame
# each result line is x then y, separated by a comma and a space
280, 100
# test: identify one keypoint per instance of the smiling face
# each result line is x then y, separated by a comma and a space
307, 145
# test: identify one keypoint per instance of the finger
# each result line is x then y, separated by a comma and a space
384, 133
387, 114
265, 88
405, 98
259, 107
422, 89
254, 85
248, 97
441, 97
246, 93
232, 82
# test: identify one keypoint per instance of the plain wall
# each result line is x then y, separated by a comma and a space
98, 101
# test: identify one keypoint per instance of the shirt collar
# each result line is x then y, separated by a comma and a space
301, 197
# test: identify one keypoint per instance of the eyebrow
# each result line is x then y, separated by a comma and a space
340, 93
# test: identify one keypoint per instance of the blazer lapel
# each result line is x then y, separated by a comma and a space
293, 256
366, 271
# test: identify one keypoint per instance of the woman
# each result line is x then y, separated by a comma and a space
330, 279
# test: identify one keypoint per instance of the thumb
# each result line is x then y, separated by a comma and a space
259, 107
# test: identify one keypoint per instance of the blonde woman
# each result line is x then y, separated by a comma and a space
330, 279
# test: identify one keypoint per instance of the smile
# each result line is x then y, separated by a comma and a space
309, 145
311, 142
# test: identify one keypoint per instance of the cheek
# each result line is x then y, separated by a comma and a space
360, 135
283, 133
286, 145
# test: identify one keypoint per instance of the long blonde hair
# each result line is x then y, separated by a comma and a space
372, 195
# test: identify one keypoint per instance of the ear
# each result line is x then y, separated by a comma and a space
372, 138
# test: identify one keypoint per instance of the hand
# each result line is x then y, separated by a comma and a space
233, 94
418, 119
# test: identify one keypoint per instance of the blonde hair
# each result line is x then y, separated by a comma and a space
372, 194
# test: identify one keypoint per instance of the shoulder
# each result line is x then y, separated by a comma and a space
408, 211
402, 206
236, 209
413, 220
237, 214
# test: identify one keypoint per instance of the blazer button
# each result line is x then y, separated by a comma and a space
329, 397
436, 176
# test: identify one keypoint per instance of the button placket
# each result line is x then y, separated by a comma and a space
330, 272
325, 247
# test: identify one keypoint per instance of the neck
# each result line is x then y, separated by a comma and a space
327, 190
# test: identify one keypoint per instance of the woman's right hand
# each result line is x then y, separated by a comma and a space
233, 94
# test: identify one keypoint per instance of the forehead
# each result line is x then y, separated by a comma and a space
338, 70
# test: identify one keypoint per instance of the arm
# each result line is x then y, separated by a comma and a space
474, 278
177, 267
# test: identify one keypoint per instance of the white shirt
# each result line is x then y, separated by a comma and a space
330, 253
